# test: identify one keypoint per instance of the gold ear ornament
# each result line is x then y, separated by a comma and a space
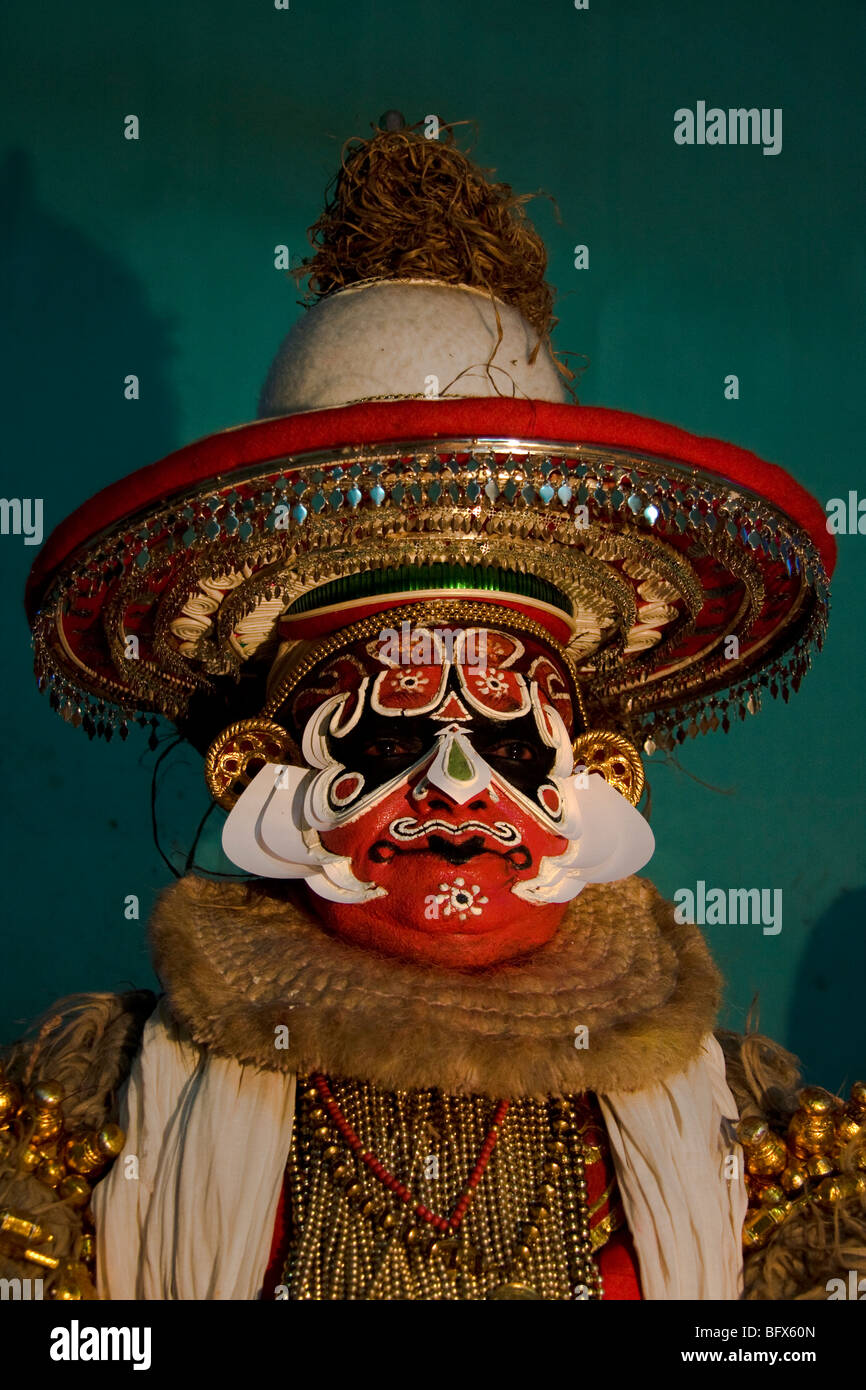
615, 758
239, 752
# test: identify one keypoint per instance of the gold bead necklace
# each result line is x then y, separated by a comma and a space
524, 1232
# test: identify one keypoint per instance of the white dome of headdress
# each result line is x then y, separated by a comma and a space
395, 339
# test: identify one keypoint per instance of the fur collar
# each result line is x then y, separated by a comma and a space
239, 960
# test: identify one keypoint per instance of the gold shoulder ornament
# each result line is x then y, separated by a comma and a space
820, 1160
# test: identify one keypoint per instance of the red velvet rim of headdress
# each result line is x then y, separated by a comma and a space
218, 455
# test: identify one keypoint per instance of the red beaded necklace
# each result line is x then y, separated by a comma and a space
440, 1223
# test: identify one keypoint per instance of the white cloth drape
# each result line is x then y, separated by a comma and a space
193, 1216
684, 1209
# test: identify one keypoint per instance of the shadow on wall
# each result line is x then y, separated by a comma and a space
76, 321
827, 1015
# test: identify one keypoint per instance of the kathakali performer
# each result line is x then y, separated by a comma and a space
420, 618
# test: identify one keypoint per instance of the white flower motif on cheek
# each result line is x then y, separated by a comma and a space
459, 899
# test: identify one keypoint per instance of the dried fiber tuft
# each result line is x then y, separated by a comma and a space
407, 207
763, 1077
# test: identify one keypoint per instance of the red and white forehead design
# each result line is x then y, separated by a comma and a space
553, 689
481, 660
407, 674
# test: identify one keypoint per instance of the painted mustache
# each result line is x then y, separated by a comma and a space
518, 856
405, 829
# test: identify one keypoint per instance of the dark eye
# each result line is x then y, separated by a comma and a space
392, 748
513, 751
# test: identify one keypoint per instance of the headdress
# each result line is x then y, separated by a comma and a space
417, 457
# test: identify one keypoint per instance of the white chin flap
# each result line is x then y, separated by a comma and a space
609, 840
615, 839
264, 836
249, 839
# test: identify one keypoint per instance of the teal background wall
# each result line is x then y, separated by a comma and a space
156, 257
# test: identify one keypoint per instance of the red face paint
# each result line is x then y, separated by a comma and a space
447, 859
448, 871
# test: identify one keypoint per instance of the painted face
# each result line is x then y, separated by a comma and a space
439, 807
436, 780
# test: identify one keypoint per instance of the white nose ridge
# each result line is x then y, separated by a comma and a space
457, 769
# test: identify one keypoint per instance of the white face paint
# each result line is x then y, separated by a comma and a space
406, 829
608, 840
274, 830
268, 834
